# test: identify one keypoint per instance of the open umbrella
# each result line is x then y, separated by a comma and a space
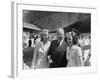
31, 26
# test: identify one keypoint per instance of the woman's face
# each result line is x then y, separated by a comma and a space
69, 39
45, 37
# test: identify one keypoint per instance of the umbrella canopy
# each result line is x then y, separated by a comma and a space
83, 26
31, 26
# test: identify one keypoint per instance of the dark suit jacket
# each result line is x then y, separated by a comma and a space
58, 54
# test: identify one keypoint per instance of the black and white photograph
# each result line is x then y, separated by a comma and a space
53, 39
50, 40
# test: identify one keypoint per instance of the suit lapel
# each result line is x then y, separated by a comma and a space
62, 46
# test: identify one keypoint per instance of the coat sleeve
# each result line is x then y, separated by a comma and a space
49, 53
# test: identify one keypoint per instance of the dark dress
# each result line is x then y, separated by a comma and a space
58, 54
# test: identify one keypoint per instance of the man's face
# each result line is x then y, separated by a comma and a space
60, 35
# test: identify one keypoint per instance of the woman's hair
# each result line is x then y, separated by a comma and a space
75, 39
61, 30
66, 39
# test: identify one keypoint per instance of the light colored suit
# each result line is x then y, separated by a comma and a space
74, 56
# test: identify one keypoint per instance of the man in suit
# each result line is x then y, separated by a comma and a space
57, 51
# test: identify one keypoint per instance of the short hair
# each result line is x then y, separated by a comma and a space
60, 30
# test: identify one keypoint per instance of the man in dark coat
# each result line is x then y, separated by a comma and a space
57, 51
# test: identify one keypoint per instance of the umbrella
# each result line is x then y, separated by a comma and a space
83, 26
31, 26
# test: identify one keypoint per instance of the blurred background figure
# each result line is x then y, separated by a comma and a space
80, 41
30, 42
87, 51
85, 43
88, 59
75, 32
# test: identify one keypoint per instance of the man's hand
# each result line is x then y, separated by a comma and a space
50, 60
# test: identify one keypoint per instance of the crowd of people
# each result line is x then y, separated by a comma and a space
65, 50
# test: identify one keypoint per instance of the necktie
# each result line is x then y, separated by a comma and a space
58, 43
